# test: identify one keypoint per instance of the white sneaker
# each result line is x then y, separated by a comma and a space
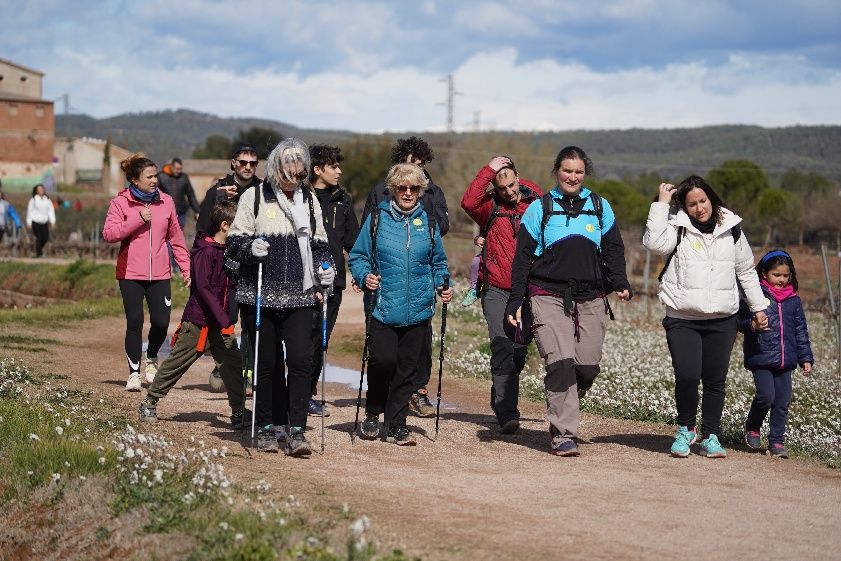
151, 370
133, 383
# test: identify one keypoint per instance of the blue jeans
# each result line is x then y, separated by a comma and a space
773, 392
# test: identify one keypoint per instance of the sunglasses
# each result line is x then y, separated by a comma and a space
407, 188
247, 163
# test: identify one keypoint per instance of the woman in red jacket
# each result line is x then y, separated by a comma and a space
143, 220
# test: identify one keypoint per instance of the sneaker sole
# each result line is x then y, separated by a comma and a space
149, 419
299, 452
679, 454
714, 455
412, 442
368, 436
567, 454
510, 427
133, 389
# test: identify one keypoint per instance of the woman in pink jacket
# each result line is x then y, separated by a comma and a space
143, 220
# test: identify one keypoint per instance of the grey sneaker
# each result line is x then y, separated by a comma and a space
266, 441
241, 419
400, 435
370, 428
297, 445
420, 404
565, 448
217, 385
148, 411
753, 439
777, 450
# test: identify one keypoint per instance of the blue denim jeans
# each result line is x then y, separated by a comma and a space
773, 393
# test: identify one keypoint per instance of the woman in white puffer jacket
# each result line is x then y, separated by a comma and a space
708, 260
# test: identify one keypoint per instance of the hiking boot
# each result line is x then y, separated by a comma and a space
151, 369
752, 439
777, 450
314, 408
133, 383
370, 428
148, 410
419, 403
266, 441
217, 385
510, 426
684, 438
565, 448
281, 434
241, 419
470, 296
711, 447
296, 444
401, 436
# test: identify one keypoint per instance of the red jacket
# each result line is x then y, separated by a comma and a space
502, 237
143, 253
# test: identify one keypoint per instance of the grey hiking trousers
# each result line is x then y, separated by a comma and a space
507, 358
571, 361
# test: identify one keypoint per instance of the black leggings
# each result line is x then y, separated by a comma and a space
700, 352
158, 298
42, 236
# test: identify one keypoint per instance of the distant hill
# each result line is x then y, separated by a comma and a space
669, 152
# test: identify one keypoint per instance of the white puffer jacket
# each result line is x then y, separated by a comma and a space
700, 282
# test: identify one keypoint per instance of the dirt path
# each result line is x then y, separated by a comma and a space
475, 494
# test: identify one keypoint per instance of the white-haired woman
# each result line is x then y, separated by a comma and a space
279, 223
398, 255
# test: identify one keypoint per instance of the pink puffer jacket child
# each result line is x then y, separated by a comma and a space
143, 252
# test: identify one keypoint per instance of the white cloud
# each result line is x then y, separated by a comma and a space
495, 20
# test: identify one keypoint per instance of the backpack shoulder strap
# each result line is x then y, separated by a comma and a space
258, 191
736, 231
597, 208
681, 232
308, 196
546, 205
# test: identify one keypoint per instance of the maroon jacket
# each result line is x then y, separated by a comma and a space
502, 237
211, 288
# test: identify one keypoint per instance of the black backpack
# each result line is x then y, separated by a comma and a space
735, 231
495, 213
549, 212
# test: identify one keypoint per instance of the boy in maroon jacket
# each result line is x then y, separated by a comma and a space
205, 324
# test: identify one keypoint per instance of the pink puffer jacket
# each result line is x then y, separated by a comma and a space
143, 253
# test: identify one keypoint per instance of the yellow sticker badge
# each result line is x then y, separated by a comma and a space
417, 221
271, 213
590, 228
696, 245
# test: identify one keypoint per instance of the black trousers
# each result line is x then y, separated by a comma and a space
391, 367
333, 304
423, 364
42, 236
700, 352
283, 381
158, 298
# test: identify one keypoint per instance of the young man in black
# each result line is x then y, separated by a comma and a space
342, 227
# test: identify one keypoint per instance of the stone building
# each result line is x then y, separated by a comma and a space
27, 129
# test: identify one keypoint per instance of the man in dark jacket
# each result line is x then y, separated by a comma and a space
415, 150
342, 228
244, 166
174, 182
497, 212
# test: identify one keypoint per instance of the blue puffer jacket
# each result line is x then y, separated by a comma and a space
786, 343
410, 265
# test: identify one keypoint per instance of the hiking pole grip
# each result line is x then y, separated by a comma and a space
446, 285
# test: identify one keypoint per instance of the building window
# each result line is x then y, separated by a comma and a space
39, 111
13, 109
23, 78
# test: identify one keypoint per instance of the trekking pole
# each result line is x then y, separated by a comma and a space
256, 349
368, 306
441, 354
324, 267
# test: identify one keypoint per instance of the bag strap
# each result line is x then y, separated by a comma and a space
681, 232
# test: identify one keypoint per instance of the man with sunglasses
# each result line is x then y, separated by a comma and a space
415, 150
244, 166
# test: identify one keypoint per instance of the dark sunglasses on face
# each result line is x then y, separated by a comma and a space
246, 163
412, 188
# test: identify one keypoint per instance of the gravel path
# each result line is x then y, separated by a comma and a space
476, 494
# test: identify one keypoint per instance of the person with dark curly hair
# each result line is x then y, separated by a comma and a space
415, 150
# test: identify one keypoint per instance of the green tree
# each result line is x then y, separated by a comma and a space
739, 183
262, 139
808, 188
629, 206
216, 147
775, 208
367, 159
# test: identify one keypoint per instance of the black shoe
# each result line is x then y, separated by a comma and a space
297, 445
241, 419
266, 441
401, 435
511, 426
370, 428
148, 411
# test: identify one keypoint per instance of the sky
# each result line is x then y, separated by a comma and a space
373, 66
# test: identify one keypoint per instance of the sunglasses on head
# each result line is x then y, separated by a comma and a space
246, 163
407, 188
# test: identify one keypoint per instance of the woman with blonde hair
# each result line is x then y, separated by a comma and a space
400, 258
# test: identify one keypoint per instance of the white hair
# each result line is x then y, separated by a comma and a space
288, 151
